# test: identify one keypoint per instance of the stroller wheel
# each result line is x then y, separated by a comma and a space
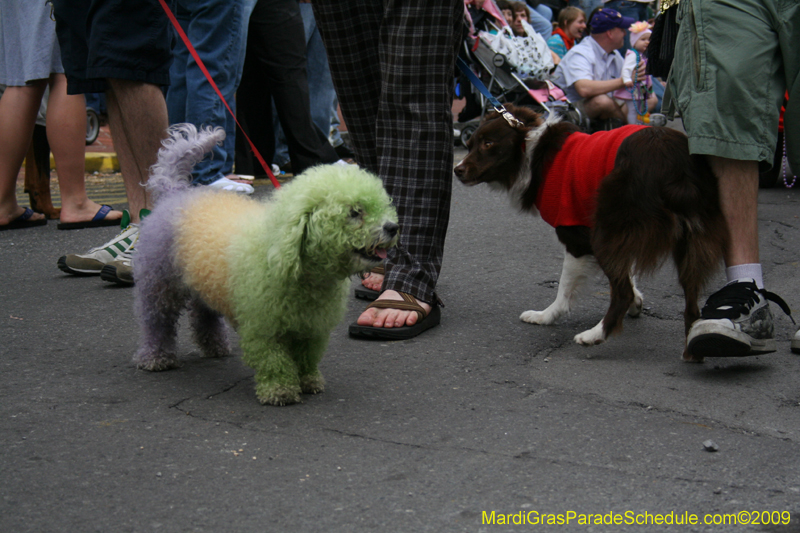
466, 133
92, 126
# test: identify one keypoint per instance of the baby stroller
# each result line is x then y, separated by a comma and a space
495, 63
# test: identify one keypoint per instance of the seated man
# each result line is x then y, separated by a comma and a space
591, 71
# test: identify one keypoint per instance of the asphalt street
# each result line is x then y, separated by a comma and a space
477, 425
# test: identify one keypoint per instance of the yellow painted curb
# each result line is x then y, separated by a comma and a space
97, 162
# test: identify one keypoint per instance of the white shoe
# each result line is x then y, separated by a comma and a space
93, 261
796, 342
224, 184
736, 321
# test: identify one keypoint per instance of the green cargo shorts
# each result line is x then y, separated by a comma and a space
734, 60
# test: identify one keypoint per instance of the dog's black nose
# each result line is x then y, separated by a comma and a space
391, 229
458, 171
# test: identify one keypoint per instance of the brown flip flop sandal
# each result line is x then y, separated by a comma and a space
425, 322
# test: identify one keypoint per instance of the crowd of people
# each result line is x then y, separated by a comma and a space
598, 59
261, 50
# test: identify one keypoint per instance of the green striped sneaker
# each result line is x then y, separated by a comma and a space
120, 271
93, 261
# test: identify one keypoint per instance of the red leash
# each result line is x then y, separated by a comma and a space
203, 68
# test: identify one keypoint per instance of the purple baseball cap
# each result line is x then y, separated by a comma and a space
606, 18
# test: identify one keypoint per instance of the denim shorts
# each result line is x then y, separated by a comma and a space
120, 39
734, 60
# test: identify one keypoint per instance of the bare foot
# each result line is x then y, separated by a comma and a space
373, 281
390, 318
85, 212
6, 219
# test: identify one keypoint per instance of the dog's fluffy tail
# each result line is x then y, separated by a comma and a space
184, 148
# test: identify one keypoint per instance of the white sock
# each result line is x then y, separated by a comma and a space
746, 272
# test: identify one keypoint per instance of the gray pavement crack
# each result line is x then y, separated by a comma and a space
225, 389
529, 456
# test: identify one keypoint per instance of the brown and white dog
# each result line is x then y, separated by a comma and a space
648, 199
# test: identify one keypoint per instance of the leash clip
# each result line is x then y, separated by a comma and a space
511, 119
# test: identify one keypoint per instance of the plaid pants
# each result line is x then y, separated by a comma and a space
392, 63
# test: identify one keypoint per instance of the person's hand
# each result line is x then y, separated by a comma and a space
641, 71
629, 84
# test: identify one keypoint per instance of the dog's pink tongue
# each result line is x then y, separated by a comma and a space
381, 252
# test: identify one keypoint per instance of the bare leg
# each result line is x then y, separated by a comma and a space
738, 194
18, 106
603, 107
137, 114
66, 127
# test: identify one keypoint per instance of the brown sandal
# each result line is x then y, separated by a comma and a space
408, 303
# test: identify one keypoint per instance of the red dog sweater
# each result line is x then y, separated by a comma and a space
567, 194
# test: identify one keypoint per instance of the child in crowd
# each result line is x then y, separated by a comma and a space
638, 91
571, 25
505, 8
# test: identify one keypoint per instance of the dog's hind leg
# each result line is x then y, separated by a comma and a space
623, 298
574, 273
593, 336
696, 261
210, 332
158, 301
158, 320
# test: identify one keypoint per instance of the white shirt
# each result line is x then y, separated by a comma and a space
586, 61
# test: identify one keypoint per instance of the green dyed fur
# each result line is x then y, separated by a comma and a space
290, 270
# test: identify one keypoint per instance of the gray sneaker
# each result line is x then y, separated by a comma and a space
735, 322
121, 270
93, 261
796, 342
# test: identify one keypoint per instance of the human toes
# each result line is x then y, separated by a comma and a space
373, 282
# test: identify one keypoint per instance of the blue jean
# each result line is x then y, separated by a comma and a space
587, 6
540, 24
321, 93
635, 10
214, 28
544, 11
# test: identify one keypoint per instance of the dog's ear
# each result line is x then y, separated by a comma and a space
288, 255
526, 115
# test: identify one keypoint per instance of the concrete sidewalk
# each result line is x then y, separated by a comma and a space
477, 424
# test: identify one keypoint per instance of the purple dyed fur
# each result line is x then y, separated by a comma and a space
160, 297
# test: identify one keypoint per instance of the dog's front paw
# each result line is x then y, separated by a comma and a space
274, 394
543, 318
592, 336
155, 362
312, 384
